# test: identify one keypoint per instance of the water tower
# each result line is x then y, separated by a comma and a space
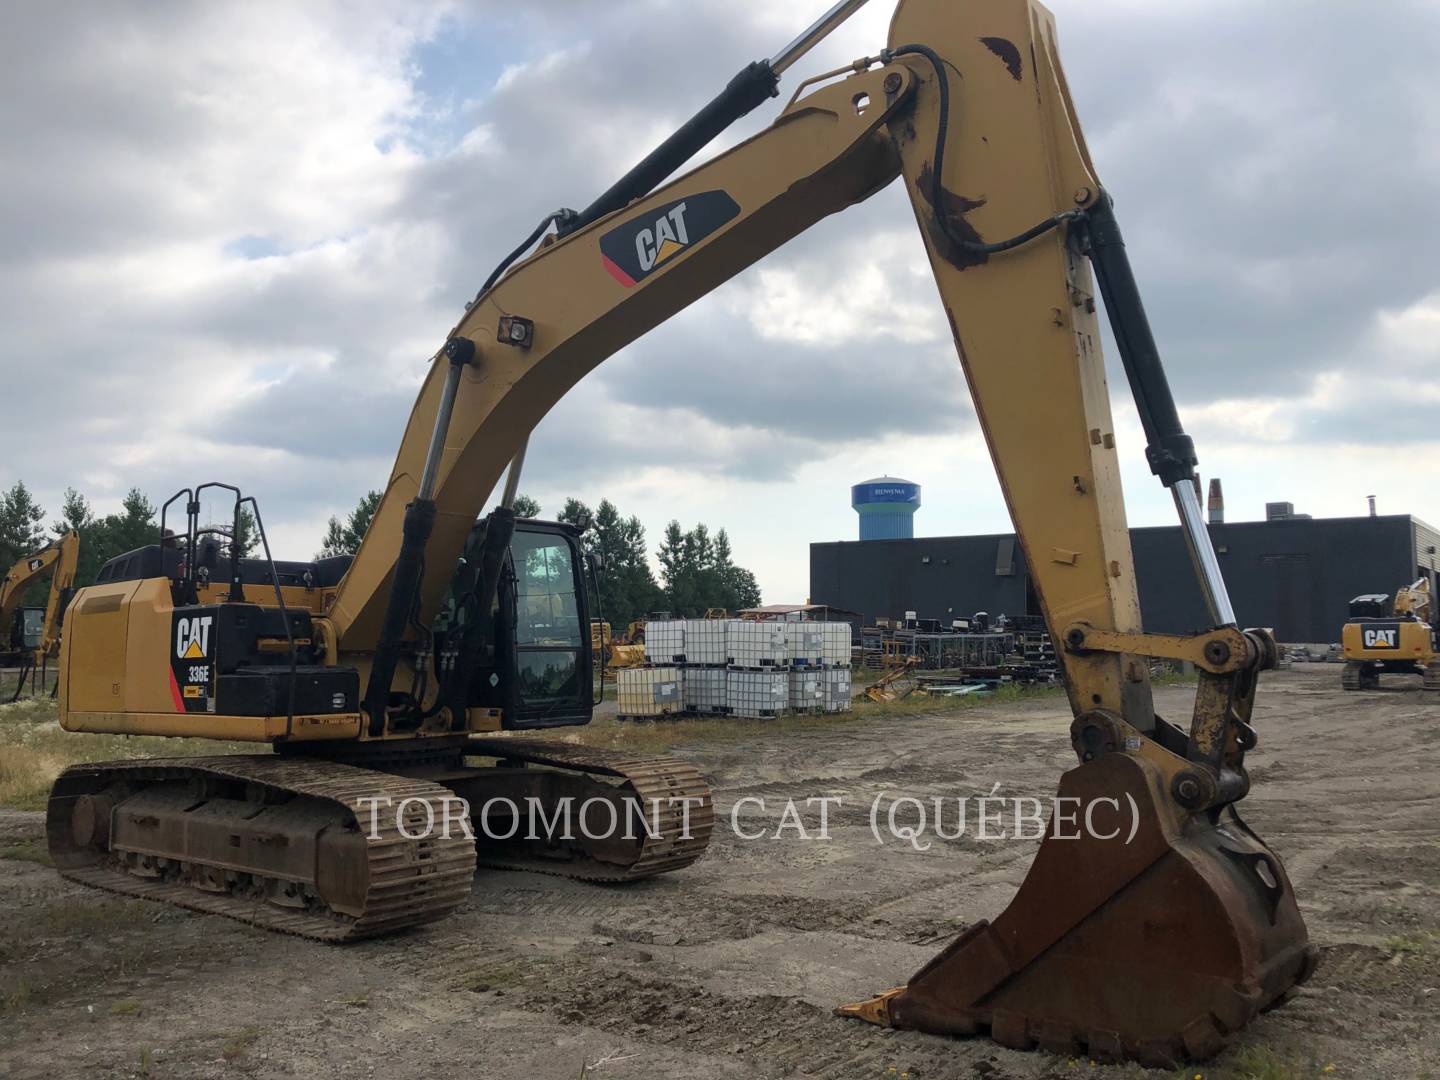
886, 506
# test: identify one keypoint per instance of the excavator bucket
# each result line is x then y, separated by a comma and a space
1145, 933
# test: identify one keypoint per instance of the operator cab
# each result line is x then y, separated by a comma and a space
531, 655
1370, 606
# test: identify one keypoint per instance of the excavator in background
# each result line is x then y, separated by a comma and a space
617, 651
1153, 933
1399, 638
32, 635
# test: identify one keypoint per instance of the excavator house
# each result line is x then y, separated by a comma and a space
404, 674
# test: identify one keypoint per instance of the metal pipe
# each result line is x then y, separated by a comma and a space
1202, 554
437, 433
512, 476
812, 37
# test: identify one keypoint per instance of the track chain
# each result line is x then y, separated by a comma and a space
664, 778
410, 881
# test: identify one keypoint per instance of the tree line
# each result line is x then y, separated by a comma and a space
697, 567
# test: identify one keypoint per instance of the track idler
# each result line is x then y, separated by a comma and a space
1153, 944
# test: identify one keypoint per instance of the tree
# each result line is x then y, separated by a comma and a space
22, 527
526, 507
246, 535
101, 539
344, 539
576, 513
77, 516
699, 572
627, 586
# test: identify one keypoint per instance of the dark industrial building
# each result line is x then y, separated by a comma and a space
1295, 574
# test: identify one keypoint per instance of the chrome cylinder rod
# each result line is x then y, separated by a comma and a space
436, 449
1202, 554
512, 476
812, 37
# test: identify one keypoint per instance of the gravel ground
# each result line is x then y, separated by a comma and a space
731, 968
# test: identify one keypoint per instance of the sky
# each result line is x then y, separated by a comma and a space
233, 235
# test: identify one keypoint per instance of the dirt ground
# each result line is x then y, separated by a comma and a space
731, 968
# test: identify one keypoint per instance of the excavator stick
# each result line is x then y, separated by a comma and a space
1153, 922
1153, 949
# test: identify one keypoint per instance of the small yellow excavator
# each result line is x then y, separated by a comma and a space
1398, 638
616, 651
23, 642
1152, 934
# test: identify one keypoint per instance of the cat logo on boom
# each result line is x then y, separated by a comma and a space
192, 637
1381, 639
651, 239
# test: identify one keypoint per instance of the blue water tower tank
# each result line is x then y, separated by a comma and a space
886, 506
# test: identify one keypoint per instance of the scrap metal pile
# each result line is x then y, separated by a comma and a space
1007, 649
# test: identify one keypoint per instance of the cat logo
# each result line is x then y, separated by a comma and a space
1381, 639
192, 637
650, 241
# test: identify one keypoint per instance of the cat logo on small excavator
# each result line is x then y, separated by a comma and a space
192, 637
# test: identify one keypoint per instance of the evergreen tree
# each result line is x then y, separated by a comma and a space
526, 507
576, 513
22, 528
344, 539
77, 516
246, 537
699, 572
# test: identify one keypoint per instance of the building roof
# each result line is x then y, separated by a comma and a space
787, 609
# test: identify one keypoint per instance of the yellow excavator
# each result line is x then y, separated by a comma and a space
1152, 934
1400, 638
26, 644
616, 651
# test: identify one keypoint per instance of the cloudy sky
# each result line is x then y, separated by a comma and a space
231, 236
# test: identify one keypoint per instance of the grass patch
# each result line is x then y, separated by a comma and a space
125, 1007
358, 1000
1413, 944
1175, 678
660, 734
27, 851
1267, 1063
34, 750
236, 1045
80, 917
16, 999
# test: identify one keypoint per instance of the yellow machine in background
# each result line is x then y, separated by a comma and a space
1398, 638
617, 652
375, 678
59, 558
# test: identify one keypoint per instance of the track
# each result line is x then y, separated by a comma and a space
291, 844
674, 840
270, 804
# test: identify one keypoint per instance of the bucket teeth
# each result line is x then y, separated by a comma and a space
874, 1010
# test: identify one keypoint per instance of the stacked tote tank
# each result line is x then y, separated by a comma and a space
739, 667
